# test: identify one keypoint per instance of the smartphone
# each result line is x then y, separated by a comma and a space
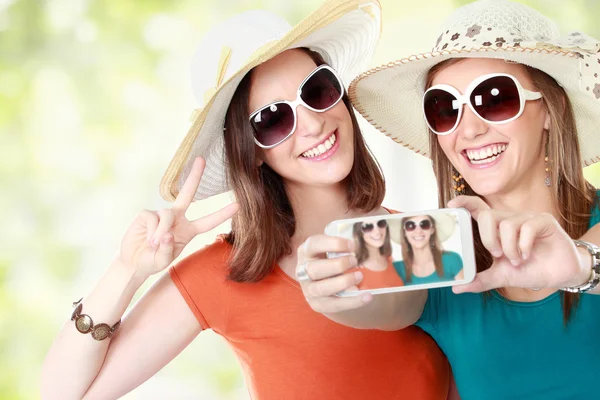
409, 251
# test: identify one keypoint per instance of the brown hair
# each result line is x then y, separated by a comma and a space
572, 195
361, 249
408, 256
262, 228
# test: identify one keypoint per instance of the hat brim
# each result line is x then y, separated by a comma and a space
344, 32
390, 96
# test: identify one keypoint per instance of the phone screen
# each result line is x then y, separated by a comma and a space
410, 251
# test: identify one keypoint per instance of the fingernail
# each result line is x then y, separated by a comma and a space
358, 276
525, 256
497, 253
515, 262
155, 242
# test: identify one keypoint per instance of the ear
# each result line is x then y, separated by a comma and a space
547, 121
258, 162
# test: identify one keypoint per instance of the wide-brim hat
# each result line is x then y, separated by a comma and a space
343, 32
390, 96
445, 224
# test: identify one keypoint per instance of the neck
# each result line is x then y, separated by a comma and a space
315, 207
375, 261
422, 255
533, 197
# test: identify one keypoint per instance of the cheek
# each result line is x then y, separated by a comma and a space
446, 143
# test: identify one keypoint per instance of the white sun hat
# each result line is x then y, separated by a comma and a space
343, 32
390, 96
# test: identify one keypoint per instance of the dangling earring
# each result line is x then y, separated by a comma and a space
547, 181
458, 183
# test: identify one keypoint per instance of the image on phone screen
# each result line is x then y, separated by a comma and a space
411, 251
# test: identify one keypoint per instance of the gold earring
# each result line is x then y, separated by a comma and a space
458, 183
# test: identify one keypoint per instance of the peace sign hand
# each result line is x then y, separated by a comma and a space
531, 250
156, 238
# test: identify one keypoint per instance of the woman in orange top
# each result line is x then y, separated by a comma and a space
374, 255
277, 128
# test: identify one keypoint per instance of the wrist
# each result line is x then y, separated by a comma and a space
589, 267
585, 268
128, 272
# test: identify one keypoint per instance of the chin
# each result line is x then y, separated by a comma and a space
488, 188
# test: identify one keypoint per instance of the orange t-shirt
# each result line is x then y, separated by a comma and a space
288, 351
378, 279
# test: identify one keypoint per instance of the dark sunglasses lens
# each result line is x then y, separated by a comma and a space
367, 228
321, 90
273, 123
496, 99
381, 223
440, 110
425, 224
410, 226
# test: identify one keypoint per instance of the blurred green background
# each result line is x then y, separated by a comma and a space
94, 99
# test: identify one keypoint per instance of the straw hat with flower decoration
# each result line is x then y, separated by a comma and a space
389, 96
343, 32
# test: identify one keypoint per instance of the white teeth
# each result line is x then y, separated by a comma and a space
320, 149
485, 155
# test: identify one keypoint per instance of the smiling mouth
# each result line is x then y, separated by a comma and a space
322, 148
486, 154
418, 238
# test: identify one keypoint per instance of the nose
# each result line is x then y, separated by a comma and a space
470, 125
309, 123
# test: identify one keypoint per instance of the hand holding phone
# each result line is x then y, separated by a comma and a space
409, 251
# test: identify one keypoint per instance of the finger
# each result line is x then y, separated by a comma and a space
164, 254
509, 231
317, 245
331, 305
329, 267
189, 188
149, 220
215, 219
331, 286
489, 279
166, 218
488, 232
534, 228
473, 204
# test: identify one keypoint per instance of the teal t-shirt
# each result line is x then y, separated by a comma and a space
503, 349
451, 261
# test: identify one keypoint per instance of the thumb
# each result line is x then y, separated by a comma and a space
473, 204
484, 281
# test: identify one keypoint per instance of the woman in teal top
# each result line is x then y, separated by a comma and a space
423, 257
508, 141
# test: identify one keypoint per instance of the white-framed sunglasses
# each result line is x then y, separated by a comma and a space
273, 123
494, 98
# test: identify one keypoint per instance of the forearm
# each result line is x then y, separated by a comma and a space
74, 360
386, 312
